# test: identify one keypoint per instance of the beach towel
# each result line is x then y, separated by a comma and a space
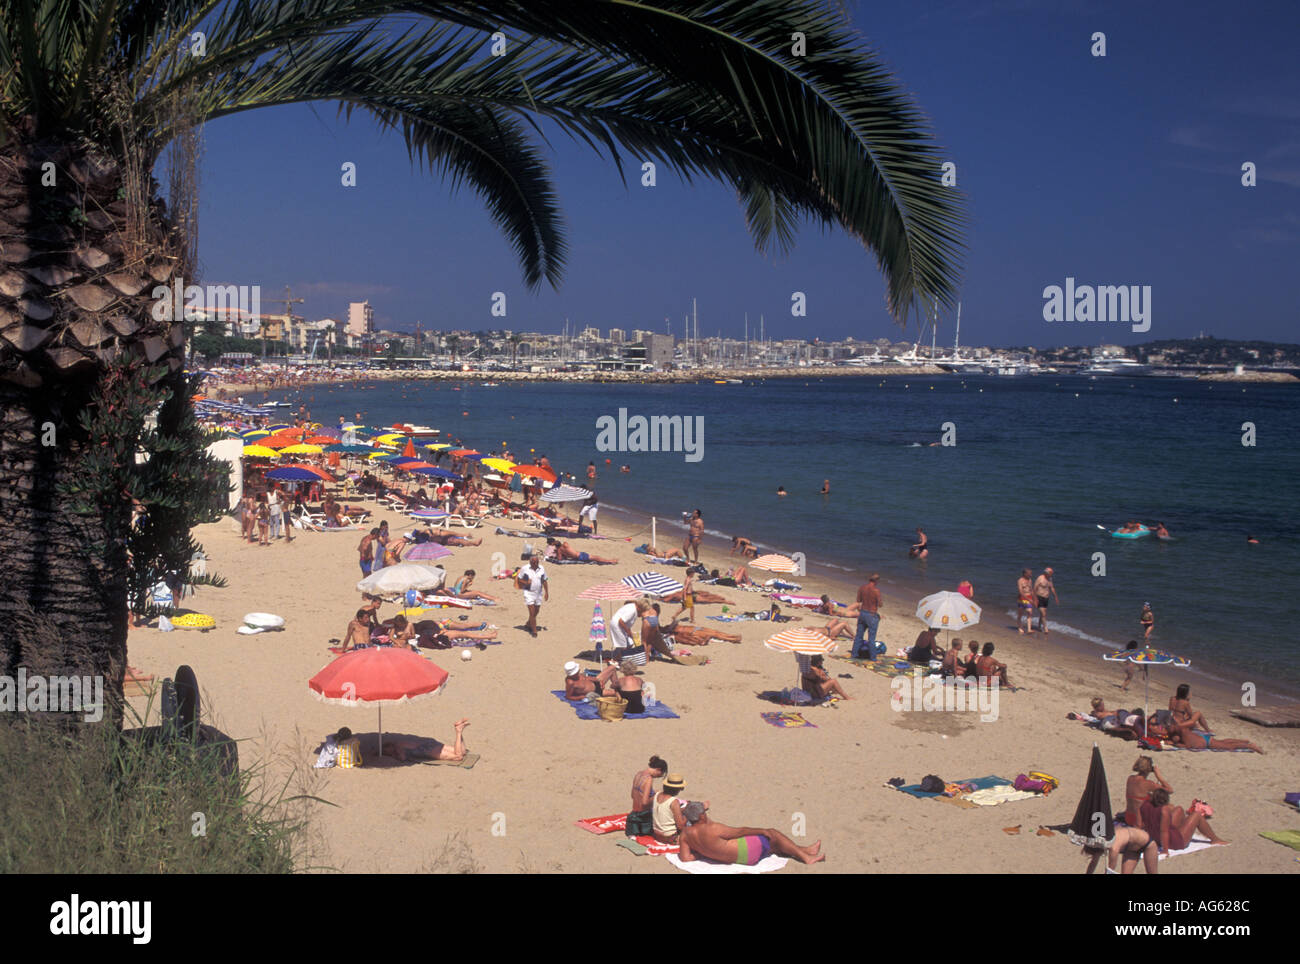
786, 720
604, 825
587, 711
811, 602
886, 666
731, 619
467, 763
1198, 842
988, 792
1287, 838
643, 845
701, 866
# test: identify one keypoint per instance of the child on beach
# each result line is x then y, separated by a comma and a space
1129, 667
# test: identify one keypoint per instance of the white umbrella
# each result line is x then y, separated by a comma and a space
402, 577
947, 610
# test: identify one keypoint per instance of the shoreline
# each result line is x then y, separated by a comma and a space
1081, 655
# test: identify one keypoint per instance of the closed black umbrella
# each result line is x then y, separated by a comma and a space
1093, 825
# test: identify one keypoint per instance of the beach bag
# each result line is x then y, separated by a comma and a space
1051, 781
610, 709
878, 648
794, 696
1023, 782
932, 784
639, 824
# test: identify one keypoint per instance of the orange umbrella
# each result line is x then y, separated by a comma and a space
413, 465
460, 453
311, 468
536, 471
320, 440
279, 441
409, 451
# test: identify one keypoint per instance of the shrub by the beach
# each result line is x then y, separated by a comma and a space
92, 800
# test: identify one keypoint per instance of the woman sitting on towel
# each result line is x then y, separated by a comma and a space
1193, 739
818, 682
1137, 791
402, 633
1172, 827
628, 687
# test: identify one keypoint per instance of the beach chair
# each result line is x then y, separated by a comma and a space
469, 522
309, 520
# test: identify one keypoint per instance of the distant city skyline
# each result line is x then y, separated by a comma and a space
1116, 170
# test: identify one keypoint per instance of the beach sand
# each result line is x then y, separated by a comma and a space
542, 768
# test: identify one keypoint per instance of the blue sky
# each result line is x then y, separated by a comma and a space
1117, 170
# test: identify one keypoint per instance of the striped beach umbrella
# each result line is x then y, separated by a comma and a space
607, 590
566, 493
801, 640
773, 562
427, 550
597, 634
652, 584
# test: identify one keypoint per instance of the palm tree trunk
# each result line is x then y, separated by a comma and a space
62, 601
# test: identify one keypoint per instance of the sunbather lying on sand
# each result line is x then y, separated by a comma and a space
566, 553
734, 577
840, 625
1187, 736
703, 837
448, 538
697, 635
405, 748
432, 634
660, 553
461, 588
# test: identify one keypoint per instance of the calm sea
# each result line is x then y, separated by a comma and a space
1038, 464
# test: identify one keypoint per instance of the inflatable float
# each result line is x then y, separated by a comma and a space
1141, 533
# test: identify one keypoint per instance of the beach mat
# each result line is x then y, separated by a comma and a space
1287, 838
646, 845
887, 666
980, 783
467, 763
1269, 716
700, 866
787, 720
604, 825
587, 711
989, 791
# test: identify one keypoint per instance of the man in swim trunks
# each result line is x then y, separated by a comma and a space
1024, 602
693, 536
565, 551
1044, 592
703, 838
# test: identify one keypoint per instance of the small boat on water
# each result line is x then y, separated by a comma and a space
1140, 533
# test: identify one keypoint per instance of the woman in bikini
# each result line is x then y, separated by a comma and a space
1192, 739
1138, 789
1173, 826
1180, 708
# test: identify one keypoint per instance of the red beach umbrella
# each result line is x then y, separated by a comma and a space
378, 675
536, 471
410, 448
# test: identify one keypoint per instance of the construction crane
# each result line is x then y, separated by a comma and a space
288, 301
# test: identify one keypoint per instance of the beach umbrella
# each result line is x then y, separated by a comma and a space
1093, 824
407, 465
435, 472
501, 465
773, 562
378, 675
607, 590
320, 440
798, 639
383, 456
314, 470
259, 452
428, 551
255, 433
349, 449
300, 449
947, 610
652, 584
291, 474
462, 453
597, 634
566, 493
429, 514
410, 448
437, 446
403, 459
1146, 658
535, 471
402, 577
279, 426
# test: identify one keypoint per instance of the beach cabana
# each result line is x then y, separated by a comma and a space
378, 676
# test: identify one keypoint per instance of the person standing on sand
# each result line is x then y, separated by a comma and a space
1044, 592
1025, 602
693, 537
532, 580
868, 618
688, 596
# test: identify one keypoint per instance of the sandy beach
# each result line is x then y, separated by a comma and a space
542, 769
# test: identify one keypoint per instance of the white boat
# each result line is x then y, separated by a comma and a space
1116, 366
911, 359
865, 361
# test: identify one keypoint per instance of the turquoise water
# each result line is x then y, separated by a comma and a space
1038, 463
